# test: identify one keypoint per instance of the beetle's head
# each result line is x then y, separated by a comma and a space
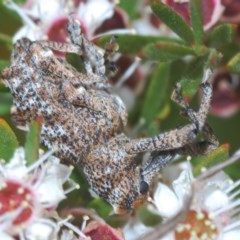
130, 192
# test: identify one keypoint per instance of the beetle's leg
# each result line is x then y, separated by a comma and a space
61, 47
111, 48
93, 56
202, 147
177, 138
197, 117
156, 162
210, 142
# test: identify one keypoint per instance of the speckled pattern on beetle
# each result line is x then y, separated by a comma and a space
85, 120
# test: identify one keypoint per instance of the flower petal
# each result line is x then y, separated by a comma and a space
45, 230
234, 234
100, 231
133, 230
182, 185
50, 192
166, 201
4, 236
215, 200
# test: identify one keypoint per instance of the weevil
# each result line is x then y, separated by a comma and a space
85, 120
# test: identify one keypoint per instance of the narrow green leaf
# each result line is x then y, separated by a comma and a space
3, 64
8, 141
10, 17
76, 61
32, 141
148, 217
196, 20
156, 93
130, 7
172, 20
189, 86
20, 1
6, 102
4, 38
234, 64
133, 44
164, 51
192, 78
212, 58
102, 208
216, 156
221, 35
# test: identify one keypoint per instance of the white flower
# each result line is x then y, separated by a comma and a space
42, 230
166, 201
134, 229
4, 236
37, 16
93, 13
29, 193
214, 213
144, 25
42, 18
67, 235
55, 176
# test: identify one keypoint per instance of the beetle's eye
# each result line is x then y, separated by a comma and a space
144, 187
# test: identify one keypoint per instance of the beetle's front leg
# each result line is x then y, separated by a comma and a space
158, 160
61, 47
173, 139
210, 141
202, 147
93, 57
183, 136
199, 117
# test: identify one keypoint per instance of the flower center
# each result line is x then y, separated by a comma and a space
18, 199
197, 225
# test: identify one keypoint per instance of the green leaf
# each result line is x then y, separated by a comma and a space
148, 217
20, 1
234, 64
216, 156
192, 78
172, 20
4, 38
102, 207
10, 17
130, 7
32, 141
156, 93
212, 58
8, 141
164, 51
3, 64
76, 61
196, 20
133, 44
189, 86
193, 75
221, 35
6, 102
